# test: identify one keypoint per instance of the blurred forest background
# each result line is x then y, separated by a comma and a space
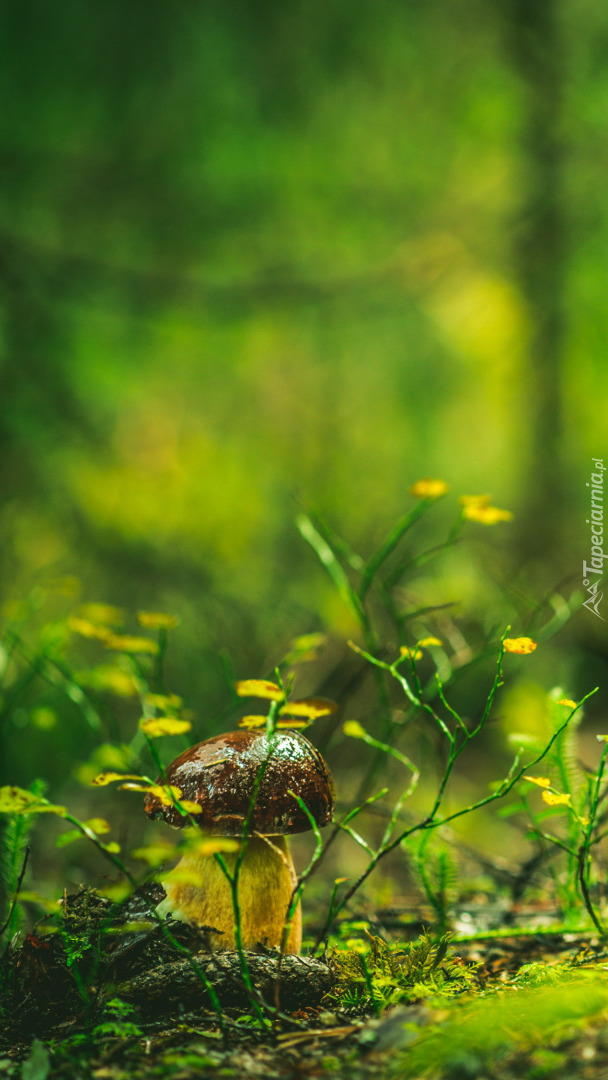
260, 258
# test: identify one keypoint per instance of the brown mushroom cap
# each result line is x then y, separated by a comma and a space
220, 775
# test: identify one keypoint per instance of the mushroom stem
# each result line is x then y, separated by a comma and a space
266, 882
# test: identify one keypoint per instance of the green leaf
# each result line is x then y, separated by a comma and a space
16, 800
37, 1065
390, 543
329, 560
68, 838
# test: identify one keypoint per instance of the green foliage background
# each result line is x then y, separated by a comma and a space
259, 257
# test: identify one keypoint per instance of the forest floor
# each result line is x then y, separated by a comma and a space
114, 1000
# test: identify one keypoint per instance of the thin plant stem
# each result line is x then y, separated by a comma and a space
7, 921
584, 850
431, 821
390, 543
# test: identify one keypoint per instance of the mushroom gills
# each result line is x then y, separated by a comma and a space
266, 882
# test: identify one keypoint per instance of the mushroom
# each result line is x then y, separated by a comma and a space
245, 778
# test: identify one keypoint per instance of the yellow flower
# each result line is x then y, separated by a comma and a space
412, 654
478, 508
428, 488
89, 629
475, 500
157, 620
487, 515
162, 701
540, 781
129, 644
110, 678
309, 708
109, 777
106, 614
154, 726
554, 799
427, 641
354, 729
521, 645
253, 722
165, 793
261, 688
567, 701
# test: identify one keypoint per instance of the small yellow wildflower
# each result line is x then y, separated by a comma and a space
412, 654
487, 515
567, 701
157, 620
253, 722
127, 643
354, 729
190, 807
475, 500
89, 629
540, 781
110, 678
155, 726
428, 488
261, 688
109, 777
106, 614
166, 793
309, 708
552, 798
162, 701
478, 508
428, 641
522, 645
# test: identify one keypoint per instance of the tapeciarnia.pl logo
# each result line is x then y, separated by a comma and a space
593, 571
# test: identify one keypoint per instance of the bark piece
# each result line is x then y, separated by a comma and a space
302, 982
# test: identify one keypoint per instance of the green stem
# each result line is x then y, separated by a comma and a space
514, 775
390, 543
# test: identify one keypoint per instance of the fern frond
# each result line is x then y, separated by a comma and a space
13, 847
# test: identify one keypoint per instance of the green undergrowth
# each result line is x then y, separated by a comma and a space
373, 976
410, 1011
403, 747
538, 1016
456, 1020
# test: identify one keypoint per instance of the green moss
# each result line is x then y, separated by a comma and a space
544, 1063
527, 1019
